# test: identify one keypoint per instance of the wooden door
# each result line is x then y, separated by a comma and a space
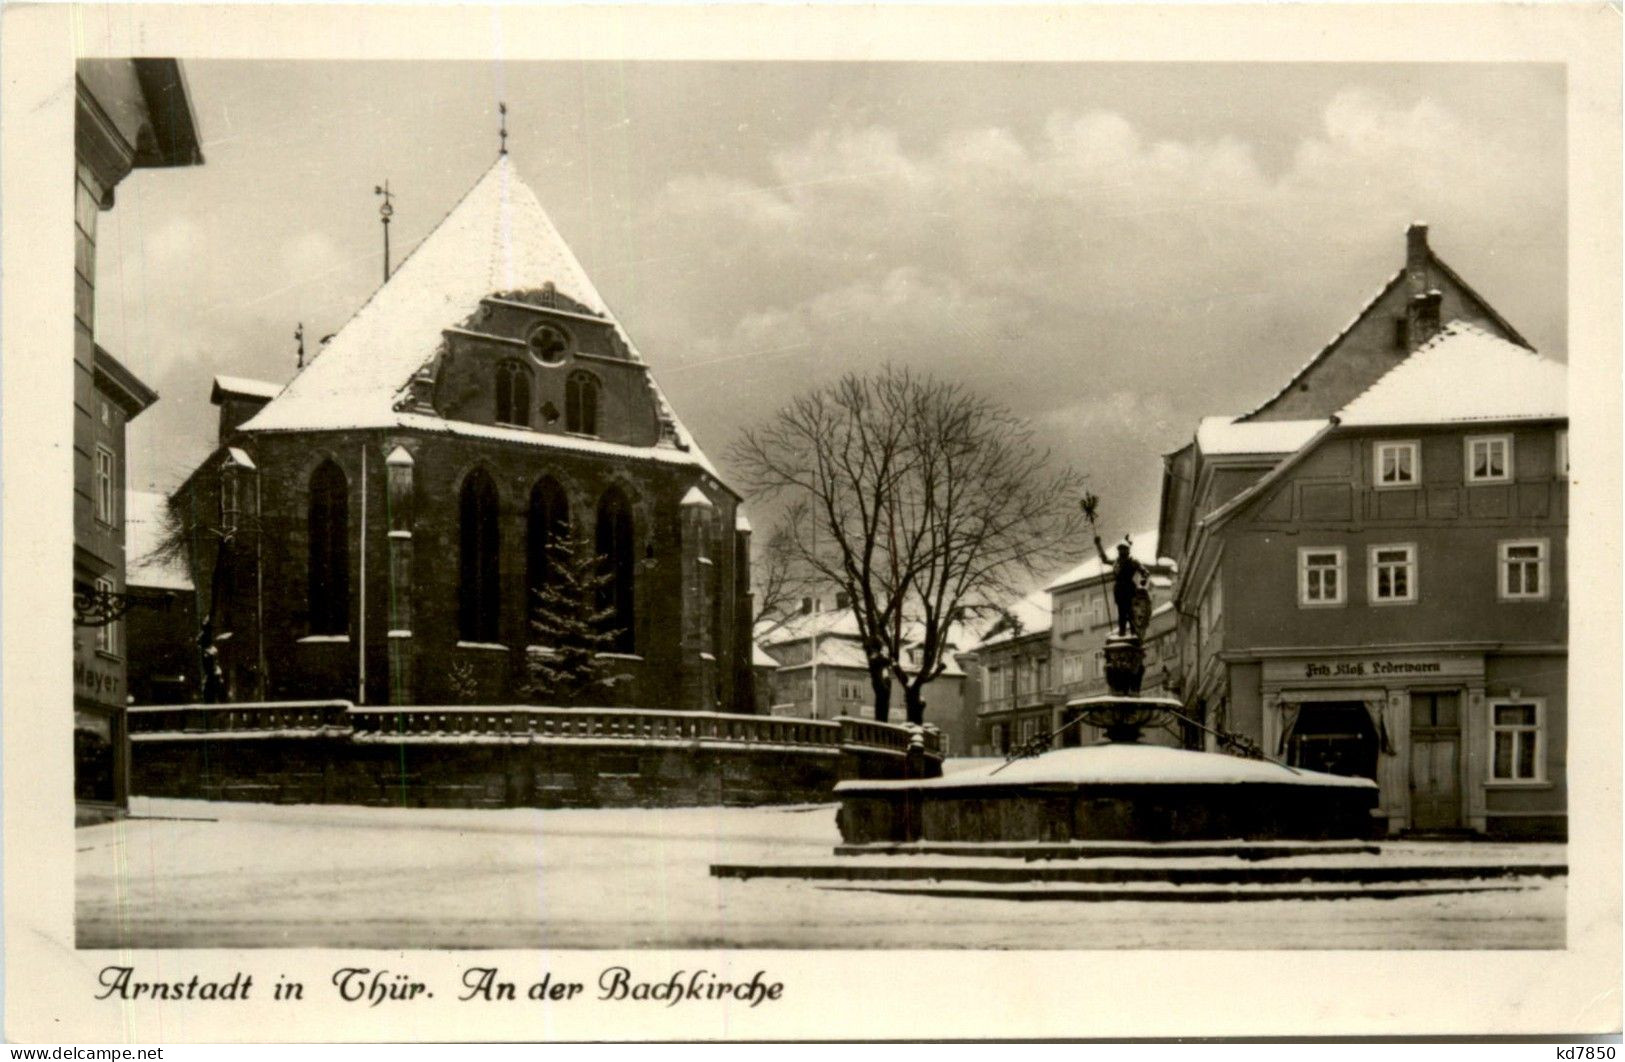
1435, 761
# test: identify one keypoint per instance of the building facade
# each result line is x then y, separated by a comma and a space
822, 673
1373, 565
379, 529
130, 114
1050, 648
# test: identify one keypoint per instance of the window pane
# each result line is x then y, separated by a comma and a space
1503, 756
1531, 578
1526, 754
1446, 709
1514, 715
1514, 578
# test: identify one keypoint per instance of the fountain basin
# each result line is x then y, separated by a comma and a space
1111, 791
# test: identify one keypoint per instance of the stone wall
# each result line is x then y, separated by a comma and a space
333, 753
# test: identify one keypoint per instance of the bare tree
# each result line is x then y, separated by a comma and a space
921, 500
780, 578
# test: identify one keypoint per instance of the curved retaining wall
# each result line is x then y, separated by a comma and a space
332, 752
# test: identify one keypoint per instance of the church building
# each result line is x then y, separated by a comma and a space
377, 529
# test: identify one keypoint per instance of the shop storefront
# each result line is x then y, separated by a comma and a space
1451, 744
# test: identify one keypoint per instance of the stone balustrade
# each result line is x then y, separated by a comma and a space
262, 718
508, 755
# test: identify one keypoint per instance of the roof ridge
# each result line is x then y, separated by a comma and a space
1331, 344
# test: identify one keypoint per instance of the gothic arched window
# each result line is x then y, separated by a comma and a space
513, 393
328, 582
479, 600
581, 403
613, 540
548, 525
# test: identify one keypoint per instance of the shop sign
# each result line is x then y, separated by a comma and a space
1372, 667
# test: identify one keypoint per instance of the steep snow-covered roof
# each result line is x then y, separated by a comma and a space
1463, 374
1144, 551
497, 238
1230, 435
1031, 615
143, 531
806, 624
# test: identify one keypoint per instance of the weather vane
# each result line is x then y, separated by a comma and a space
299, 337
385, 211
502, 109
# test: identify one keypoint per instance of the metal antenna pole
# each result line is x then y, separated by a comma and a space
385, 211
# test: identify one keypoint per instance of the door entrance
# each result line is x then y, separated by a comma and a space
1336, 737
1436, 760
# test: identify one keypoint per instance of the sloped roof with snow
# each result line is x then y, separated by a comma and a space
1144, 550
1232, 436
1463, 374
497, 238
1030, 615
143, 531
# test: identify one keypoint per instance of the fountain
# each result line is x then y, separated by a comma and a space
1117, 789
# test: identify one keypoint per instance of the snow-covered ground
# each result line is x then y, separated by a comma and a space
197, 874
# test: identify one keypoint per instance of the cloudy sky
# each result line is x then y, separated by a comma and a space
1112, 250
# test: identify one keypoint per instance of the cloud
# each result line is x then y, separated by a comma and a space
1113, 285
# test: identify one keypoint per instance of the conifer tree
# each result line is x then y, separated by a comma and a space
570, 629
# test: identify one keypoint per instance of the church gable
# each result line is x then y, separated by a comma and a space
537, 360
1408, 311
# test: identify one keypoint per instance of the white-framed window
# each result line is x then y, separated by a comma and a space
107, 635
1041, 668
1097, 610
1562, 466
1489, 458
106, 495
1517, 740
1098, 664
1072, 617
1321, 576
849, 690
1523, 569
995, 683
1392, 574
1071, 670
1398, 464
1212, 606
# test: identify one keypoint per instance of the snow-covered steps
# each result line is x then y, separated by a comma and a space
1250, 850
1196, 871
1165, 892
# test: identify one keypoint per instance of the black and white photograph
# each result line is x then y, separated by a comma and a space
730, 504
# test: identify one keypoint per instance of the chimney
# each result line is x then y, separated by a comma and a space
1416, 258
1422, 317
806, 606
842, 600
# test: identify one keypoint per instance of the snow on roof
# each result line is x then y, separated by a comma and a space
1144, 551
759, 657
497, 238
1124, 763
239, 457
696, 497
1032, 615
242, 385
1231, 435
1464, 374
143, 531
806, 624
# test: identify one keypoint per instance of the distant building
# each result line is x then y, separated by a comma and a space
377, 530
1372, 573
823, 673
130, 114
1050, 648
162, 633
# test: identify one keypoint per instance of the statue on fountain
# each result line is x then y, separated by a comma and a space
1129, 591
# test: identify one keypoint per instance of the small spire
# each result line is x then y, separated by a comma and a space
502, 110
299, 338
